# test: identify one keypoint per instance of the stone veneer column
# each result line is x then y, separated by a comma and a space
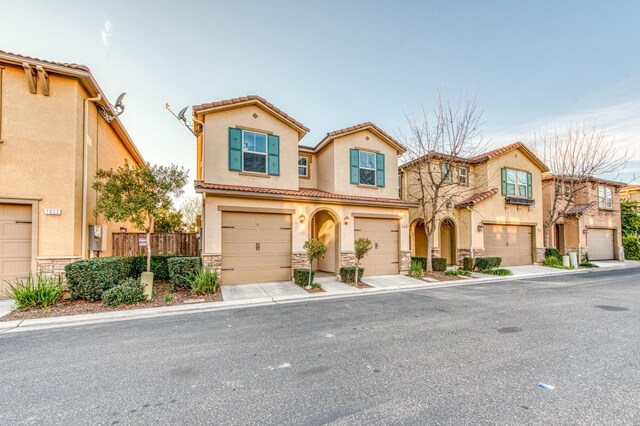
405, 262
299, 260
347, 258
213, 261
53, 266
540, 255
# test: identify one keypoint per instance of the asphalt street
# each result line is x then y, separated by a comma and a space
460, 355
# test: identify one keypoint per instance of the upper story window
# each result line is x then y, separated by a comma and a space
605, 197
463, 175
367, 168
254, 152
303, 166
516, 183
446, 173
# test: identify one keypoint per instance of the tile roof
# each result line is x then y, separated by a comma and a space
62, 64
251, 98
302, 193
584, 180
496, 152
476, 198
580, 209
331, 135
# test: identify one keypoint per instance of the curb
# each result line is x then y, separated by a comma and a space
114, 316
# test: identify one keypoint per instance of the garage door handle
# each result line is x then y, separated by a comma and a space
23, 221
257, 246
376, 246
227, 269
285, 267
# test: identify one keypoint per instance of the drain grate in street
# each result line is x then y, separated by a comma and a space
509, 330
612, 308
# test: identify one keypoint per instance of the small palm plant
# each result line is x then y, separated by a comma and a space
361, 247
315, 251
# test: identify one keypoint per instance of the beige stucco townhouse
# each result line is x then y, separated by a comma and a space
498, 211
264, 195
630, 192
592, 225
53, 138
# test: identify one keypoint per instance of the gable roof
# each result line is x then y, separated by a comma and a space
358, 128
484, 157
476, 198
551, 176
580, 209
84, 76
253, 100
630, 188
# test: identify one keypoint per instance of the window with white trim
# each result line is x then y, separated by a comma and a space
254, 152
303, 166
367, 168
517, 183
446, 173
463, 175
605, 197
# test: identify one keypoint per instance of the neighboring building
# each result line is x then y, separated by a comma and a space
591, 224
264, 195
498, 211
43, 129
630, 192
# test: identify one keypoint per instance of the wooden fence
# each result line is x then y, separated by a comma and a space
128, 244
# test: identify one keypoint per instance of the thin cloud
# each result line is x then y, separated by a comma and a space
106, 32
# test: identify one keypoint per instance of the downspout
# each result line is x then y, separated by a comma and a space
85, 171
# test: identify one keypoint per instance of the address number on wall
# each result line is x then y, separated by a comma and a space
55, 212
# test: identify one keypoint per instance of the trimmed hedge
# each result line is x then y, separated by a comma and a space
301, 276
128, 292
88, 279
483, 263
159, 266
552, 252
348, 274
499, 272
631, 244
438, 264
467, 264
182, 270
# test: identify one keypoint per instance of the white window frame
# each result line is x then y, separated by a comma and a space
606, 200
265, 153
464, 175
360, 167
306, 166
517, 185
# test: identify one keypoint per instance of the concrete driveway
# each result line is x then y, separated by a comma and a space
262, 292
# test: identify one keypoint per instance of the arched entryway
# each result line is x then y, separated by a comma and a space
448, 241
325, 227
419, 240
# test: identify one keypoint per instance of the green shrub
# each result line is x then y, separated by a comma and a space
455, 272
439, 264
316, 285
206, 280
631, 244
348, 273
422, 261
588, 265
467, 264
182, 270
159, 266
88, 279
128, 292
552, 252
301, 276
40, 292
499, 272
483, 263
416, 269
552, 262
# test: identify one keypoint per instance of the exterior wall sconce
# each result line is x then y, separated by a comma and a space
480, 227
586, 231
302, 218
123, 229
346, 220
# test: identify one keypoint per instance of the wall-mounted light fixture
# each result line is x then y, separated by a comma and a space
123, 229
346, 220
480, 227
302, 218
586, 231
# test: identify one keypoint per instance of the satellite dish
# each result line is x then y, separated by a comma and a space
119, 100
181, 113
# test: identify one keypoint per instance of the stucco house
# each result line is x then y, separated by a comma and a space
630, 192
53, 138
497, 211
264, 195
592, 223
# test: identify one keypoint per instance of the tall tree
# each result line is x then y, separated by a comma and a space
575, 155
137, 194
438, 146
168, 221
191, 208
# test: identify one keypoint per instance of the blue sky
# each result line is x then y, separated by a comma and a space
332, 64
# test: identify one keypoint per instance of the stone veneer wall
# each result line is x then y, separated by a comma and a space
299, 260
405, 262
213, 261
51, 266
462, 253
540, 255
347, 258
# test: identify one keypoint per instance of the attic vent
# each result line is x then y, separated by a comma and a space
254, 115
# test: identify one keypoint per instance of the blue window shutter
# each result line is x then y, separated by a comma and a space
380, 170
235, 149
529, 186
273, 151
355, 166
504, 180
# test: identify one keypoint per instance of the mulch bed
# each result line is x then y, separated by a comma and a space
360, 285
441, 276
162, 296
314, 290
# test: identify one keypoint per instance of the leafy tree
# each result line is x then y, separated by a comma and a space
138, 194
169, 221
630, 211
361, 247
191, 208
315, 250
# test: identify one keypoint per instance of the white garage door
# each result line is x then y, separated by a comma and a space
256, 248
15, 244
600, 244
513, 243
384, 255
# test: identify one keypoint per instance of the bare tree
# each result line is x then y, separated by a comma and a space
438, 146
575, 156
191, 208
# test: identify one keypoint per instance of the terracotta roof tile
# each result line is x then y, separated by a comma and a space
62, 64
476, 198
580, 209
302, 193
496, 152
250, 98
350, 129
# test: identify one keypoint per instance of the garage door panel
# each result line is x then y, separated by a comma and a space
15, 244
15, 248
383, 259
512, 243
600, 244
